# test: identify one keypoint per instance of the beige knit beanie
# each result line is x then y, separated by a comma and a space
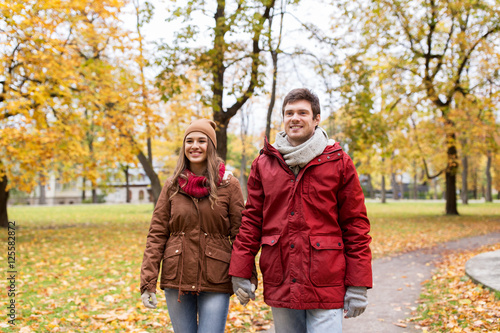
204, 126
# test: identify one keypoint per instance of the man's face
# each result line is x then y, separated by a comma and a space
299, 122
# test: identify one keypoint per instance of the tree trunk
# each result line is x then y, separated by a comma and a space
127, 185
221, 116
415, 183
465, 172
434, 183
42, 200
274, 56
382, 190
394, 185
474, 184
371, 192
84, 180
243, 166
221, 134
489, 195
451, 197
94, 195
4, 198
451, 176
152, 175
150, 150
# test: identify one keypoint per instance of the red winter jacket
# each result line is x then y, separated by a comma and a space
312, 228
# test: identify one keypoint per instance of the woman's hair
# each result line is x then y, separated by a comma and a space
212, 172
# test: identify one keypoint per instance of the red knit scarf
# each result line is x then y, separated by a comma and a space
197, 186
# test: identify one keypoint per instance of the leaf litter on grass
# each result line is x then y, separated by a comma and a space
87, 279
80, 276
452, 302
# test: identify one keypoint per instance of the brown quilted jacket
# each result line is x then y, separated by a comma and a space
192, 241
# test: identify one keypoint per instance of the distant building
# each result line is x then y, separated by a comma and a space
404, 187
57, 193
139, 189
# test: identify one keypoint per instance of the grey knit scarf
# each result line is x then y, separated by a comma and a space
297, 157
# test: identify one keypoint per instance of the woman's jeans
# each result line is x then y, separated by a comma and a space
203, 313
310, 321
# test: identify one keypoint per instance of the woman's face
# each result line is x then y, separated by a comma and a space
195, 149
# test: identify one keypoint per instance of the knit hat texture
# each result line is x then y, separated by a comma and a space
204, 126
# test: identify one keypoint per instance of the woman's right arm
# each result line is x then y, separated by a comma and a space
156, 240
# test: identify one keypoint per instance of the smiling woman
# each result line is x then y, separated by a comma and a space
195, 148
192, 229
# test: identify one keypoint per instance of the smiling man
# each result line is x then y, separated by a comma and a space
306, 210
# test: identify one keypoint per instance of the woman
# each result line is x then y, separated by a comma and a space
196, 218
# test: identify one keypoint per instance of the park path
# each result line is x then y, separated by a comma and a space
397, 286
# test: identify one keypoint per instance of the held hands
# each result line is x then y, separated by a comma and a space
147, 302
243, 289
355, 301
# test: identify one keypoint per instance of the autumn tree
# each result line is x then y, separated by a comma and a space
242, 147
437, 47
274, 49
37, 81
231, 60
286, 48
66, 105
475, 116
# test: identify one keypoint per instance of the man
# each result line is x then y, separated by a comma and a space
306, 209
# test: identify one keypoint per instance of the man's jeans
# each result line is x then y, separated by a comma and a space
310, 321
209, 308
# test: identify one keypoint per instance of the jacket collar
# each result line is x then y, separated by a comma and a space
271, 151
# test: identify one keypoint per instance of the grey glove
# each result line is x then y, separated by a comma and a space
243, 289
149, 303
355, 301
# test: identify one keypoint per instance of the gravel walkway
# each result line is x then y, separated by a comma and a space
397, 285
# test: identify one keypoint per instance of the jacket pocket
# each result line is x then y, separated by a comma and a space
270, 260
327, 260
217, 264
171, 260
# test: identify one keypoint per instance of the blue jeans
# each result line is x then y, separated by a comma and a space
203, 313
310, 321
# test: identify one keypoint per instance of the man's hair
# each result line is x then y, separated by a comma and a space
301, 94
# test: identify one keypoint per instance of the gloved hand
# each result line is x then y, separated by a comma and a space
243, 289
355, 301
149, 303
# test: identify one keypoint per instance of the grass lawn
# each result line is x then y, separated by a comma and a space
406, 226
78, 266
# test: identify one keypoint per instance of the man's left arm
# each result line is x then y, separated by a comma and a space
355, 226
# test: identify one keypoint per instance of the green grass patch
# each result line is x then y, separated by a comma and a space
74, 215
